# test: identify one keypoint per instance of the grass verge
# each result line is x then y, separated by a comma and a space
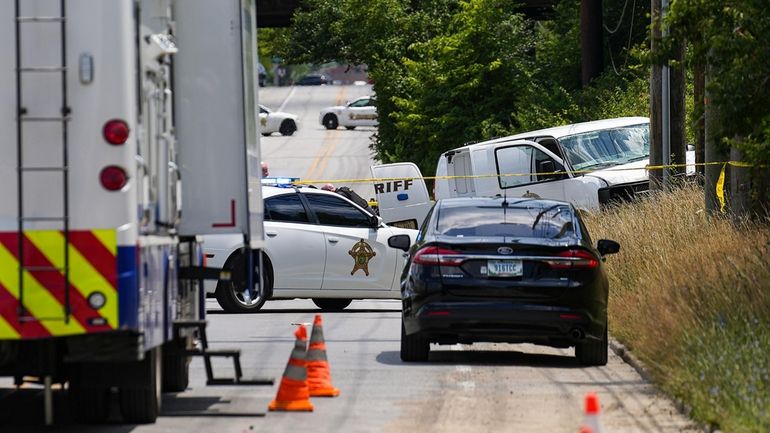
690, 296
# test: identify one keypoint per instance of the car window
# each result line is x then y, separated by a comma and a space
514, 165
335, 211
607, 147
285, 208
465, 221
360, 103
519, 165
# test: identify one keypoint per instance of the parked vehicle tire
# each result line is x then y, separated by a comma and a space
332, 304
230, 294
176, 365
267, 134
350, 128
288, 127
593, 352
140, 402
89, 400
331, 122
414, 348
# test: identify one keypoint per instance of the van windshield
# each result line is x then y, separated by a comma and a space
607, 147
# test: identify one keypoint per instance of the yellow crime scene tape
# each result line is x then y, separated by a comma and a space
719, 186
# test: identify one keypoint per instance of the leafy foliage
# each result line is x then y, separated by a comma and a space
733, 39
449, 72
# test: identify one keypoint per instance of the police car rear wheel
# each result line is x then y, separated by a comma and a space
288, 127
230, 294
330, 121
332, 304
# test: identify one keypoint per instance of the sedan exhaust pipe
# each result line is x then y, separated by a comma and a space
577, 334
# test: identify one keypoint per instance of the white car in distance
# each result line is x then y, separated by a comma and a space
318, 245
359, 112
277, 121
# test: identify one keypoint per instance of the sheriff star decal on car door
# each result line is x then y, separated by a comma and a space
361, 253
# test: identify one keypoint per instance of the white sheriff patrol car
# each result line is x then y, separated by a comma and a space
359, 112
318, 245
276, 121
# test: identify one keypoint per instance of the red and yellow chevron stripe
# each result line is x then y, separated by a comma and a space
92, 268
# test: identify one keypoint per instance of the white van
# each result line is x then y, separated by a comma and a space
587, 164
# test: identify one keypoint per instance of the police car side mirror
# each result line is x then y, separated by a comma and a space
375, 221
401, 242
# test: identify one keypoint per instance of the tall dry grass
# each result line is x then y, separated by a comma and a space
690, 295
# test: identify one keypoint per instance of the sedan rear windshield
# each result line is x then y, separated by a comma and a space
525, 222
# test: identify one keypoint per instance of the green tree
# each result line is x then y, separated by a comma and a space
733, 39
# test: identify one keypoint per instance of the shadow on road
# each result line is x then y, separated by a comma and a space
315, 310
22, 411
484, 357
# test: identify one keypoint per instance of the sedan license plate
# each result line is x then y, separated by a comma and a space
504, 268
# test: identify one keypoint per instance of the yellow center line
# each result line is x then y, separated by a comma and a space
321, 159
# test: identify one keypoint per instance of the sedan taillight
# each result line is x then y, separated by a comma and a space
437, 256
574, 259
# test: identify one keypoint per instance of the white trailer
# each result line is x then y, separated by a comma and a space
127, 129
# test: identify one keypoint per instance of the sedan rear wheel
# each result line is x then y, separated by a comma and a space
332, 304
593, 352
414, 348
330, 121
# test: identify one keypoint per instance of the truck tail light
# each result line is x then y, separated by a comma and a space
113, 178
115, 131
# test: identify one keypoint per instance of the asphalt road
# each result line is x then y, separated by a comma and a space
478, 388
314, 153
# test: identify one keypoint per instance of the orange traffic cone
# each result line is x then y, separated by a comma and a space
591, 421
293, 393
319, 378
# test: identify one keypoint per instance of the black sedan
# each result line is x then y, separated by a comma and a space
504, 270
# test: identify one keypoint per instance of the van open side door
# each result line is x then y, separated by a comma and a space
401, 193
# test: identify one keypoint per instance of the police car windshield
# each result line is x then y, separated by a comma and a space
607, 147
495, 220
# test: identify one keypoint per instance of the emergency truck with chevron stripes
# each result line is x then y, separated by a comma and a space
112, 115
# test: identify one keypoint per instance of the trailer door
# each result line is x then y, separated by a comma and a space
216, 101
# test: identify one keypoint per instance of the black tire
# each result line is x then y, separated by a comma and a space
267, 134
176, 365
140, 402
593, 352
350, 128
288, 127
330, 121
414, 348
230, 293
89, 401
331, 304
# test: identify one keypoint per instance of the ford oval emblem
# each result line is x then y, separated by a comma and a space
505, 250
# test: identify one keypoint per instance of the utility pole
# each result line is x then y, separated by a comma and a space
656, 133
591, 47
699, 93
667, 107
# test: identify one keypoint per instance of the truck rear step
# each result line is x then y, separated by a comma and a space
207, 354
